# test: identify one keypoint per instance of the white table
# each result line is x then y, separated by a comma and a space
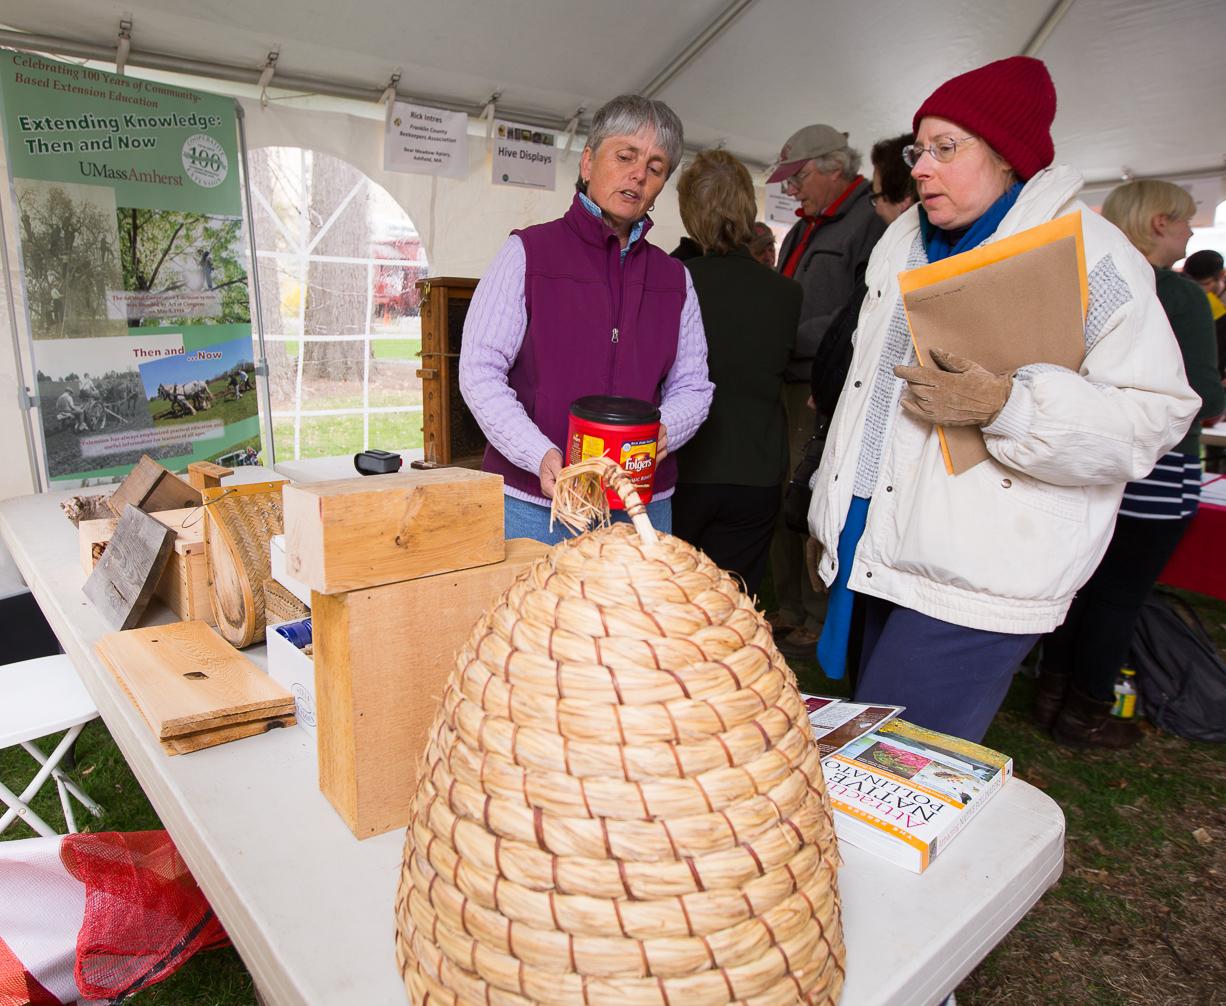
1214, 436
325, 469
310, 908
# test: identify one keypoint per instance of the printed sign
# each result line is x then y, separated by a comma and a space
426, 141
524, 156
135, 267
780, 207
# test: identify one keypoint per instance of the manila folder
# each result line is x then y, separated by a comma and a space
1021, 310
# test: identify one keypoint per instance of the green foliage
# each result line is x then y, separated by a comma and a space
215, 978
160, 249
69, 252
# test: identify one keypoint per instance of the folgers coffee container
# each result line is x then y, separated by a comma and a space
624, 429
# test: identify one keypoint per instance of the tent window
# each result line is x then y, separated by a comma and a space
338, 261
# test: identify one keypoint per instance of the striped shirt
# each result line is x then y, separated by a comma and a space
1170, 492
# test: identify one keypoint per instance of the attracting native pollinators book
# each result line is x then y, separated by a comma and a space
903, 792
837, 722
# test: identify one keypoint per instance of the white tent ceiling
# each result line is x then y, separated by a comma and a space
1141, 84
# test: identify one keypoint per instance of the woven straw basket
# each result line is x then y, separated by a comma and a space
622, 803
239, 521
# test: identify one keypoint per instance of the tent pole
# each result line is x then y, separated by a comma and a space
1054, 17
288, 82
285, 81
26, 401
261, 365
703, 39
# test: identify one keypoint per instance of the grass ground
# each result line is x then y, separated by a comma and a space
1136, 918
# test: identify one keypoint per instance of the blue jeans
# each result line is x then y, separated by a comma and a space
530, 520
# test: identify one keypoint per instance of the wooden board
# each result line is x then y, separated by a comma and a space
367, 531
124, 579
223, 735
149, 487
184, 678
382, 658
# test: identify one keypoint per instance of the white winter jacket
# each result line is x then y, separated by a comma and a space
1004, 545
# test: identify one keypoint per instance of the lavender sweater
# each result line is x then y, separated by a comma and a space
493, 334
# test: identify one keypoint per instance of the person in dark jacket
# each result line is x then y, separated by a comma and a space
892, 194
824, 251
1082, 658
729, 475
1207, 269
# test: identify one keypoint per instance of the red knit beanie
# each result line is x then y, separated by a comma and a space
1010, 103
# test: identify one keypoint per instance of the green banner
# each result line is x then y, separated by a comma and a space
134, 256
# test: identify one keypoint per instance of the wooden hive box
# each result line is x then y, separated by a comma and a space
382, 658
450, 434
184, 585
362, 532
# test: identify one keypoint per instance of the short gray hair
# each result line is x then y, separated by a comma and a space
628, 114
845, 161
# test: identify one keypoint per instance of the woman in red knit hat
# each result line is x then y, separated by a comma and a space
954, 578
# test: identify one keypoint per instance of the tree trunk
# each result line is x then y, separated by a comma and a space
336, 292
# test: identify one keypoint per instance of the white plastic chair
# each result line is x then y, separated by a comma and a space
40, 697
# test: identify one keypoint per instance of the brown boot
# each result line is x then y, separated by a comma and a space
1086, 722
1049, 698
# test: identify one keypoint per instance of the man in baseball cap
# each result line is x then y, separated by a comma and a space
826, 252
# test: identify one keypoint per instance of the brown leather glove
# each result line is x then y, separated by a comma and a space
956, 392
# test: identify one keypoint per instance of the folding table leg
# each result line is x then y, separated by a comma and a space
18, 808
50, 763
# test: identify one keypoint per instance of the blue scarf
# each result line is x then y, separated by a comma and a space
942, 244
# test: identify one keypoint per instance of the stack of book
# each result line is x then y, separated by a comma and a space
903, 792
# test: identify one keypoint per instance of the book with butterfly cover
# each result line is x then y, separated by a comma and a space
904, 792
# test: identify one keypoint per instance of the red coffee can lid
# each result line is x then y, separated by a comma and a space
615, 410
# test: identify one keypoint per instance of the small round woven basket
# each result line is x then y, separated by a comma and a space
622, 803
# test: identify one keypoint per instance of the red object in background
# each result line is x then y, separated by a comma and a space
1199, 563
96, 917
144, 913
145, 916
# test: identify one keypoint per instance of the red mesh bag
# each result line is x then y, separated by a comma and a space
145, 916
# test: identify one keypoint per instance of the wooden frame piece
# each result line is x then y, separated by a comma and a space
206, 475
150, 487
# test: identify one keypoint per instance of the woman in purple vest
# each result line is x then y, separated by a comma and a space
583, 305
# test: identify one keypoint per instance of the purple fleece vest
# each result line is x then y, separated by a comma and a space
578, 292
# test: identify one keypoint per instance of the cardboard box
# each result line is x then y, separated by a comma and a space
293, 670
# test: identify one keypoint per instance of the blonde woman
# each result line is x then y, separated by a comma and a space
1082, 658
730, 474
